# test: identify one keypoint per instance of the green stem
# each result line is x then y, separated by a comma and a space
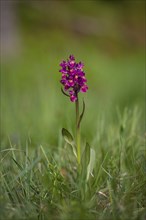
78, 132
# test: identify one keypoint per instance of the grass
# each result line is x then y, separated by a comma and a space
39, 177
43, 184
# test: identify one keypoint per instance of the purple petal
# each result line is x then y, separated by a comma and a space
73, 77
73, 98
84, 88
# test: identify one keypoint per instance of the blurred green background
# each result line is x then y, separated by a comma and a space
107, 36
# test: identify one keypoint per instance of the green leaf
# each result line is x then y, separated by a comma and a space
82, 114
85, 161
19, 166
64, 92
67, 136
74, 150
69, 139
86, 156
91, 164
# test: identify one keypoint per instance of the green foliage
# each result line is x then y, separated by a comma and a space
67, 136
85, 157
91, 163
40, 184
82, 114
69, 140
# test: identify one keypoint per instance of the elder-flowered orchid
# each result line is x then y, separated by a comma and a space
74, 81
73, 78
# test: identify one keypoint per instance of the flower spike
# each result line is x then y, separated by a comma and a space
73, 78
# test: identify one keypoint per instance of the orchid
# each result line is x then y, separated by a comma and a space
73, 78
74, 81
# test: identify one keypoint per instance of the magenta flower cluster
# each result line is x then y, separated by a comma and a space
73, 78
